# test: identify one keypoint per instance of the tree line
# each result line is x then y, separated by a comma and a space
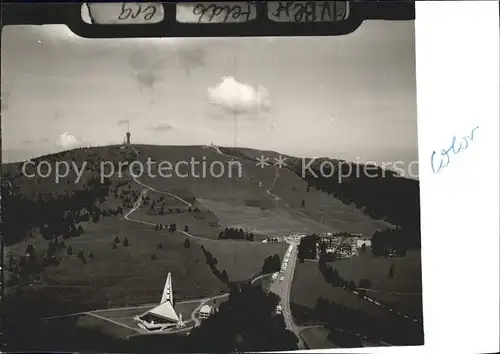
333, 277
307, 248
391, 242
235, 234
212, 263
271, 264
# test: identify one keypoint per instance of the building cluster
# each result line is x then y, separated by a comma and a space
328, 243
342, 245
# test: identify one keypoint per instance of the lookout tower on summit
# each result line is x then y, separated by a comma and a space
128, 134
126, 138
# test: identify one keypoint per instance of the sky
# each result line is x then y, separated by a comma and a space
351, 97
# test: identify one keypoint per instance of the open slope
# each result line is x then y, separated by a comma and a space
125, 275
382, 194
406, 278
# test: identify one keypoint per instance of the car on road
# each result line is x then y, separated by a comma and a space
282, 278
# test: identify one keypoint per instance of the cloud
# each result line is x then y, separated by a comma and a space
235, 97
68, 141
150, 62
123, 122
147, 79
191, 58
162, 127
147, 66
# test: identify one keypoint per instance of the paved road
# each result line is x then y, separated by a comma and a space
283, 289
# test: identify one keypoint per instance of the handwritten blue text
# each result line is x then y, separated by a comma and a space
442, 159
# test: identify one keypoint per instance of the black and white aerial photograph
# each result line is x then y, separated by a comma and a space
210, 194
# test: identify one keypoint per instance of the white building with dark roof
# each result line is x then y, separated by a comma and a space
206, 311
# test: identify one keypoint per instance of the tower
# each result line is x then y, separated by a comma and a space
128, 134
